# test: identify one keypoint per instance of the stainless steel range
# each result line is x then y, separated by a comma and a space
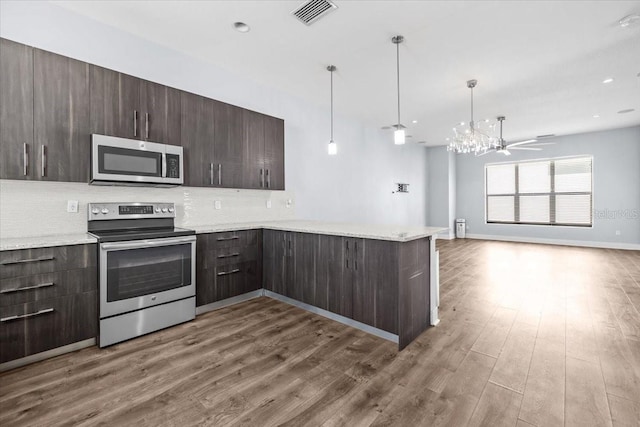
146, 267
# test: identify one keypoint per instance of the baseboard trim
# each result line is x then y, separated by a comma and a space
17, 363
341, 319
229, 301
579, 243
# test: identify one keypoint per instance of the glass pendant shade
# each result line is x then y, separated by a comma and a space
333, 148
398, 136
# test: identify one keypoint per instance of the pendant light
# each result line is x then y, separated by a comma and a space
332, 148
398, 134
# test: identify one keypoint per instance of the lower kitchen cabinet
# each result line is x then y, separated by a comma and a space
228, 264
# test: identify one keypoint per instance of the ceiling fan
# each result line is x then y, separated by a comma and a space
504, 147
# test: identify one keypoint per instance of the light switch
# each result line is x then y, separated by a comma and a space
269, 204
289, 203
72, 206
217, 204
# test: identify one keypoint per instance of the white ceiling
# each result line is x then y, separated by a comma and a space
540, 63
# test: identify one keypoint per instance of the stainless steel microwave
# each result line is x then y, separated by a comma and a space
121, 161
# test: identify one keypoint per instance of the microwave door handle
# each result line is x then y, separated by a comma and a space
164, 165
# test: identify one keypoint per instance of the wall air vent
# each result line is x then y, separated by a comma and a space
311, 11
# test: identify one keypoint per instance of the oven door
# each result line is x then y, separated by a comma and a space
143, 273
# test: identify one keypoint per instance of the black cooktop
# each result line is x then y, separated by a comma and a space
140, 234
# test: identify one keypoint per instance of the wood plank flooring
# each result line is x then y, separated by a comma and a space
530, 335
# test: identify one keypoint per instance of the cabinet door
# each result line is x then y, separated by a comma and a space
160, 111
363, 291
305, 247
228, 147
253, 168
205, 282
332, 293
274, 152
16, 111
197, 140
381, 284
61, 118
274, 260
115, 104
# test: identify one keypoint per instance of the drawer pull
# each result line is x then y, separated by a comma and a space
224, 273
24, 316
229, 255
26, 288
24, 261
223, 239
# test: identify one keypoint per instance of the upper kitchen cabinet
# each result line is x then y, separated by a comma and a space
16, 111
263, 162
128, 107
228, 147
160, 110
61, 118
197, 138
115, 104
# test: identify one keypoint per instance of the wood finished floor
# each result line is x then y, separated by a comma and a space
530, 335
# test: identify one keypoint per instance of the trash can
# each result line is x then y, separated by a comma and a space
461, 225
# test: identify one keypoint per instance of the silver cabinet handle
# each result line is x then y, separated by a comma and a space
26, 288
24, 261
135, 123
224, 239
146, 125
224, 273
220, 174
24, 316
25, 159
261, 178
43, 166
268, 178
229, 255
210, 173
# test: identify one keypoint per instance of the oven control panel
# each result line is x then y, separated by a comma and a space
105, 211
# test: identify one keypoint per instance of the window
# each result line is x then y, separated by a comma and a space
547, 192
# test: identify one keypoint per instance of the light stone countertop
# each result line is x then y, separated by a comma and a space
395, 233
365, 231
45, 241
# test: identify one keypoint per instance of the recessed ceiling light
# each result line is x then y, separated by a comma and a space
241, 26
595, 116
415, 121
607, 80
461, 123
629, 20
447, 139
628, 110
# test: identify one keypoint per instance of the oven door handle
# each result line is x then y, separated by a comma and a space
141, 244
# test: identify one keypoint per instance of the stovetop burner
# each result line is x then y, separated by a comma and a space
118, 222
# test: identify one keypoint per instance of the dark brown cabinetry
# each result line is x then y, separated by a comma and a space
263, 151
48, 299
227, 265
51, 104
61, 132
16, 111
197, 140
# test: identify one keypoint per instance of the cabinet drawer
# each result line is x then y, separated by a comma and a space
226, 256
38, 326
27, 262
24, 289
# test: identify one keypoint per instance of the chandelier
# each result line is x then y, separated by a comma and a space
476, 138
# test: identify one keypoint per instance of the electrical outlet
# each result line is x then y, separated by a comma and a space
217, 204
289, 203
72, 206
617, 232
269, 204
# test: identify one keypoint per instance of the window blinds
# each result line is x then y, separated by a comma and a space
549, 192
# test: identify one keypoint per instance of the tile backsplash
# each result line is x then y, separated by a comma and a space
34, 208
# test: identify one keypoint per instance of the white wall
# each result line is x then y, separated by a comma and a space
441, 189
355, 185
616, 190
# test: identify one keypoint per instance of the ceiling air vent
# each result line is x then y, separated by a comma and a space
311, 11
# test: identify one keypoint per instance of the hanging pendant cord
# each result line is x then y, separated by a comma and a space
398, 78
332, 106
471, 123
